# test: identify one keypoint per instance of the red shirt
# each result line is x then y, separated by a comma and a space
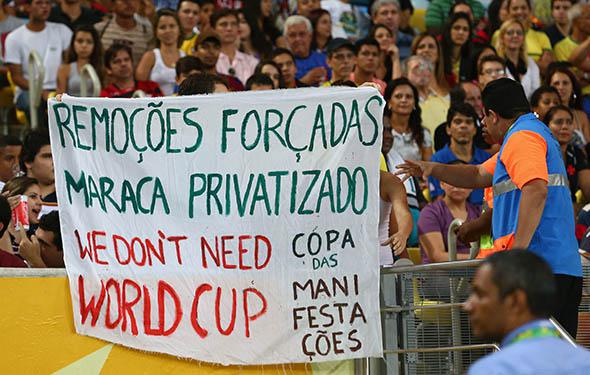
11, 260
151, 89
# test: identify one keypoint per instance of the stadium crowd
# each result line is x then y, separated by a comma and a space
431, 80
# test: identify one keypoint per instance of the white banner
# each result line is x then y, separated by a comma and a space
235, 228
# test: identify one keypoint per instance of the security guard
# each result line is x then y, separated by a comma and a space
532, 204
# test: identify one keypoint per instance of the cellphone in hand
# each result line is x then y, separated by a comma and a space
20, 214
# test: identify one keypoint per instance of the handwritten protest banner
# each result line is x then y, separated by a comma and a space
237, 228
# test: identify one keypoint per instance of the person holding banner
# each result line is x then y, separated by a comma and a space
527, 173
395, 219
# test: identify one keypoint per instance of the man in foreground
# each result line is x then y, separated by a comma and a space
510, 303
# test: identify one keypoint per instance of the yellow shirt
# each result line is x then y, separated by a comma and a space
563, 51
536, 43
383, 163
188, 45
434, 111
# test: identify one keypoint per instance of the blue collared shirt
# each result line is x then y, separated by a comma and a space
534, 356
445, 156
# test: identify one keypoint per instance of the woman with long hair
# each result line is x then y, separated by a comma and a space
321, 21
427, 46
158, 64
456, 48
412, 141
85, 48
478, 52
389, 64
263, 32
512, 48
564, 80
560, 119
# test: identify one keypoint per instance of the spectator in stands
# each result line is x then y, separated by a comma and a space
203, 83
543, 99
45, 248
304, 7
312, 68
387, 12
461, 127
389, 63
537, 42
347, 18
188, 14
341, 54
13, 190
185, 67
321, 23
561, 26
8, 22
157, 65
207, 49
568, 87
258, 82
435, 219
412, 141
478, 52
286, 62
427, 46
576, 47
473, 97
497, 14
513, 295
231, 61
367, 62
434, 107
560, 120
118, 61
456, 48
438, 11
123, 28
72, 14
489, 69
512, 47
37, 163
271, 69
48, 39
264, 33
85, 48
10, 150
207, 9
7, 258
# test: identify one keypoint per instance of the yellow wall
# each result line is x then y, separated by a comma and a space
38, 337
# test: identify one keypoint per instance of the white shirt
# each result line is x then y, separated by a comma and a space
49, 43
532, 78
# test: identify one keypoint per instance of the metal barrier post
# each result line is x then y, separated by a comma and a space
453, 285
36, 78
88, 70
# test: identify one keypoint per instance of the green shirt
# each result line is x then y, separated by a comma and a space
437, 13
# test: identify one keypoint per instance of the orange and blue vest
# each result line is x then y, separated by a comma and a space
554, 239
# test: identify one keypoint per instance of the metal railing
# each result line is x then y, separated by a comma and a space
36, 79
87, 72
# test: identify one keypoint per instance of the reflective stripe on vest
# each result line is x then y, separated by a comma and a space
508, 186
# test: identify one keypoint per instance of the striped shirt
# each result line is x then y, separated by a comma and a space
138, 38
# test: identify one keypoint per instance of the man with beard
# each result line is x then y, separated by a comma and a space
207, 50
461, 128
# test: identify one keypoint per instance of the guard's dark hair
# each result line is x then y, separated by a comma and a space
261, 80
5, 214
521, 269
506, 97
462, 108
50, 222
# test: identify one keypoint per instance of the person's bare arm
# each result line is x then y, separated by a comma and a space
145, 66
426, 153
579, 56
465, 176
16, 73
532, 204
472, 230
314, 76
433, 245
62, 78
400, 222
584, 182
